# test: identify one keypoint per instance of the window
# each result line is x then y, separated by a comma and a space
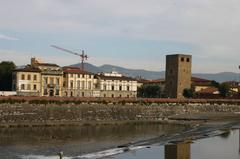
29, 77
128, 88
22, 87
28, 87
104, 95
57, 81
188, 60
23, 77
83, 85
82, 94
45, 92
120, 88
71, 75
45, 80
112, 88
51, 80
89, 85
35, 77
34, 87
112, 95
78, 84
182, 59
120, 96
104, 87
71, 84
57, 92
78, 75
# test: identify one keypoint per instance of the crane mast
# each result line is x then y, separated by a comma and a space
82, 56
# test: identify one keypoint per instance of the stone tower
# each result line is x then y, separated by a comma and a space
178, 74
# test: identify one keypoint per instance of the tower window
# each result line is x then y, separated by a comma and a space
188, 60
182, 59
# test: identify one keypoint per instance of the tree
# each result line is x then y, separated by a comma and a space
215, 84
224, 89
149, 91
6, 69
188, 92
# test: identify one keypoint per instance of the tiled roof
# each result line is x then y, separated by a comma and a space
123, 78
75, 70
47, 64
27, 69
196, 79
209, 90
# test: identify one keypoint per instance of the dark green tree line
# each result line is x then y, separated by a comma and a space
149, 91
6, 69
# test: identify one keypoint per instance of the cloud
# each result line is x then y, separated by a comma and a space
213, 26
5, 37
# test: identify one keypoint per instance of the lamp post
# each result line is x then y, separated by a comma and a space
239, 81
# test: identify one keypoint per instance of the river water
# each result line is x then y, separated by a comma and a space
47, 142
219, 147
109, 141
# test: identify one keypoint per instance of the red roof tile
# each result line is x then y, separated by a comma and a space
196, 79
27, 69
115, 78
75, 70
209, 90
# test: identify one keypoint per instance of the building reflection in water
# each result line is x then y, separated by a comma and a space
178, 151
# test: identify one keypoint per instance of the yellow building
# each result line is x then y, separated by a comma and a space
27, 81
46, 79
78, 83
51, 78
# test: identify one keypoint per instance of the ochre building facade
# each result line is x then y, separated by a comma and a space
46, 79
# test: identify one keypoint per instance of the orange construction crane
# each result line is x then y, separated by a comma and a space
83, 56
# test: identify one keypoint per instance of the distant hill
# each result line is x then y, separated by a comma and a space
219, 77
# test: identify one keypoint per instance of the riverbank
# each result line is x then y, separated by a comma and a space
18, 112
114, 101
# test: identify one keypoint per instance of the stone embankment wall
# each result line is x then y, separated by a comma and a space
36, 112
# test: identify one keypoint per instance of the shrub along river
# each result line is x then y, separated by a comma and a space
130, 141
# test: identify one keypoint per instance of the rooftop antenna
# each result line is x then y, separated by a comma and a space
83, 56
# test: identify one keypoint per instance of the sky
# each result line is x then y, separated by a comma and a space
134, 34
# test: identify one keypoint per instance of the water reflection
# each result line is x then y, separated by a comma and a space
209, 148
178, 151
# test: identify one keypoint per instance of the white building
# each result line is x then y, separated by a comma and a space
116, 85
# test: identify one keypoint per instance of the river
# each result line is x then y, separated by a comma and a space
130, 141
